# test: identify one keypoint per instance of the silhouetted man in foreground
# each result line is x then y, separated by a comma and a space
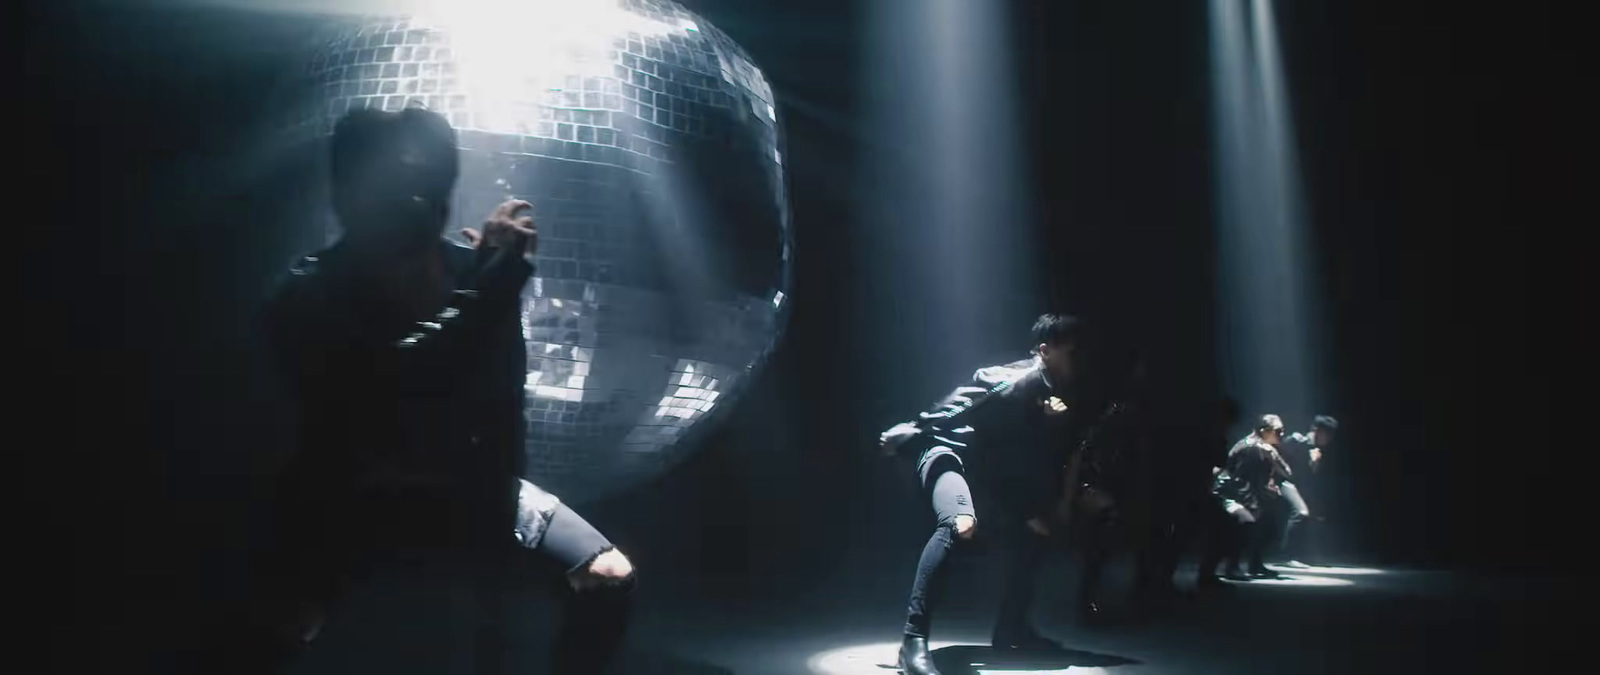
403, 353
1011, 425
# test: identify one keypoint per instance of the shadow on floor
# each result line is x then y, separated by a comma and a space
653, 663
966, 659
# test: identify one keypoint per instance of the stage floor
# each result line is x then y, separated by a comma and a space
1323, 620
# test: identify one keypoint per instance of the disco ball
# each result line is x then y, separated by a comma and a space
649, 146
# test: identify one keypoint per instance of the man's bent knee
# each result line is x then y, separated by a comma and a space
609, 569
965, 526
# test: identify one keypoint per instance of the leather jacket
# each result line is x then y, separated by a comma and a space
995, 426
1296, 451
426, 415
1251, 473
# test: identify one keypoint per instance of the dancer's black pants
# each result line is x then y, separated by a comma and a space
1237, 532
1294, 544
325, 548
950, 496
593, 620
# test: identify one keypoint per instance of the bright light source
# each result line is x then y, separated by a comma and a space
880, 657
1294, 580
509, 55
1329, 571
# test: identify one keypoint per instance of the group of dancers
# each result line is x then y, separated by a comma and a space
404, 356
1045, 465
1263, 491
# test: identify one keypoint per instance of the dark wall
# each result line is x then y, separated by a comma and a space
1424, 136
1118, 106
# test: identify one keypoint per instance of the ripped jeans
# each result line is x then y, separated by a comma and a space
950, 496
327, 543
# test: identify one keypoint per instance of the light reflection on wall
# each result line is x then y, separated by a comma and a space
648, 143
560, 335
691, 393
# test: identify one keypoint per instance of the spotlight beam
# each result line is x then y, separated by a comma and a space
1262, 263
950, 232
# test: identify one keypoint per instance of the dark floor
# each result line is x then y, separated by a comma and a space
1327, 620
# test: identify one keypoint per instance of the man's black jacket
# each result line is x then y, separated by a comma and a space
997, 428
413, 417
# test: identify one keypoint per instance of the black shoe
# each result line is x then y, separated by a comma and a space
1208, 582
914, 657
1234, 574
1026, 640
1263, 573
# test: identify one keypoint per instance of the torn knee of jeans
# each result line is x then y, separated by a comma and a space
949, 522
588, 563
584, 577
593, 585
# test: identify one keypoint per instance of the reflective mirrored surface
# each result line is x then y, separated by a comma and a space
649, 145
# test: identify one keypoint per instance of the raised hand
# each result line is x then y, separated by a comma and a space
899, 433
507, 227
1053, 405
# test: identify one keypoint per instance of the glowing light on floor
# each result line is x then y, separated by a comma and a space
1332, 571
862, 659
1294, 580
879, 658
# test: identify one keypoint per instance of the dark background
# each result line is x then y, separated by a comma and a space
149, 244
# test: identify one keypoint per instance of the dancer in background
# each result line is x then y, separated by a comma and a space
1116, 498
1303, 453
1242, 490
